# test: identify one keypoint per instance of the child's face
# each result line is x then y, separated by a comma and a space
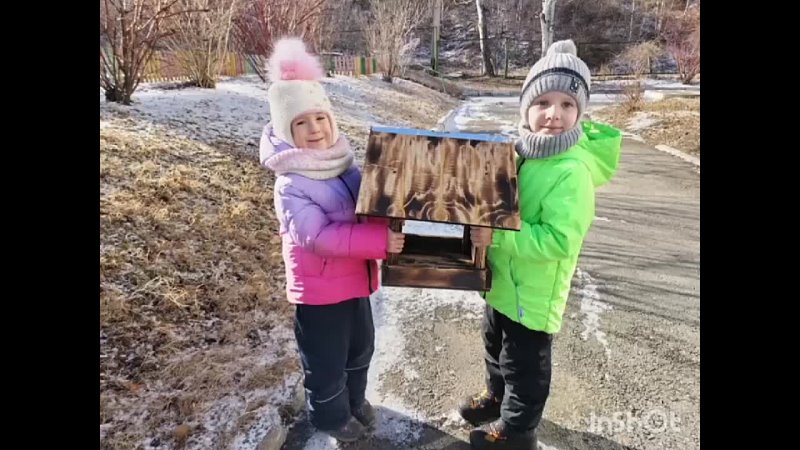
312, 130
552, 113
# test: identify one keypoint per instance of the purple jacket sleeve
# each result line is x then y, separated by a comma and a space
309, 227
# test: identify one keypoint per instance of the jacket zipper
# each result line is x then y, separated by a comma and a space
352, 197
511, 259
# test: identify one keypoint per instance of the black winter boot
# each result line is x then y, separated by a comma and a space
349, 432
498, 436
480, 408
365, 414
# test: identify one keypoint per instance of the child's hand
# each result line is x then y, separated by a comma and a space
394, 241
481, 237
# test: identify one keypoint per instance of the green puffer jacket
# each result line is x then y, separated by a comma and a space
532, 268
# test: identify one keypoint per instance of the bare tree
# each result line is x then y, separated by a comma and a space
547, 20
659, 16
130, 30
388, 30
639, 58
682, 37
488, 68
261, 22
201, 38
338, 17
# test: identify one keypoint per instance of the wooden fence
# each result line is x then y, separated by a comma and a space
352, 66
165, 66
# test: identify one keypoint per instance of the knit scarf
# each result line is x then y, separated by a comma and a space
535, 146
314, 164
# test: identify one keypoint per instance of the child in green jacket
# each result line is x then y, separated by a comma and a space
561, 162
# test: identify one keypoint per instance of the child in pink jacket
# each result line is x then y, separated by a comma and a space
328, 253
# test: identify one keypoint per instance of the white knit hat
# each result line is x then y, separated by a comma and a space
295, 88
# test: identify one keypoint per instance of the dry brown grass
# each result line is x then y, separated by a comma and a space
188, 252
185, 230
484, 85
678, 122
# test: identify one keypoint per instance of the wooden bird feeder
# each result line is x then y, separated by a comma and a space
455, 178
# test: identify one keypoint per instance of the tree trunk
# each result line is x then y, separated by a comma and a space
437, 21
488, 69
630, 28
659, 17
547, 21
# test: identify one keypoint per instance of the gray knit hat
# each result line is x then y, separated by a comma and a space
559, 70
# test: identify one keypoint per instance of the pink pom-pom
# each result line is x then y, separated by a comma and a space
291, 61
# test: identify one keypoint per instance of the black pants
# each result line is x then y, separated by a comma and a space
518, 368
336, 343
